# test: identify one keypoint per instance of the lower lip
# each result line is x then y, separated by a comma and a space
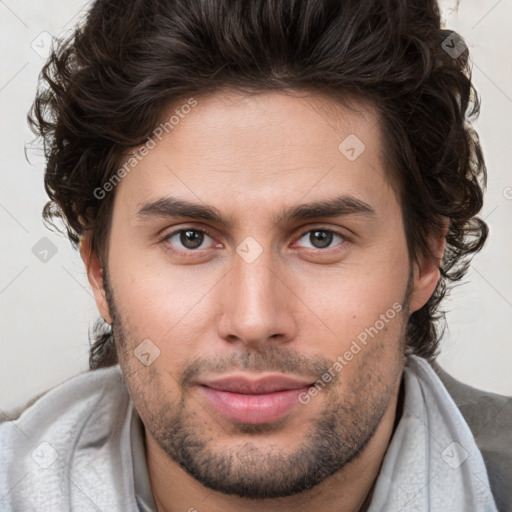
253, 409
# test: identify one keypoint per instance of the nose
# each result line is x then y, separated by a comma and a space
257, 306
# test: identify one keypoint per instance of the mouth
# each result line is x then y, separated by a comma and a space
245, 400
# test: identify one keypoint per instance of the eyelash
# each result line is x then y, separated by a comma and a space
167, 237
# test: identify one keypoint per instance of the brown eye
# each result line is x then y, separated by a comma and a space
187, 239
191, 239
321, 238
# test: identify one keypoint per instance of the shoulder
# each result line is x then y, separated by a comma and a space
89, 385
53, 445
489, 416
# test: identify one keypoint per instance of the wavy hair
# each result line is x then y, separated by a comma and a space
103, 90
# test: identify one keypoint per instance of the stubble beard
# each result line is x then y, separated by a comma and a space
336, 437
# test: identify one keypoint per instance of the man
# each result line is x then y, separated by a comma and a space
270, 199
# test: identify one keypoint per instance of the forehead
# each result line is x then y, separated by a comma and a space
260, 150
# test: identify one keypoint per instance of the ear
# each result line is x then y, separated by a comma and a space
426, 269
94, 269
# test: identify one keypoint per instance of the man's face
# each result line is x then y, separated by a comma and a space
228, 306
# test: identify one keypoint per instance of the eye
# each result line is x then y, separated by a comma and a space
188, 238
321, 238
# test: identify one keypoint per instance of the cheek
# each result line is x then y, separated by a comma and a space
157, 297
153, 393
364, 315
350, 300
168, 306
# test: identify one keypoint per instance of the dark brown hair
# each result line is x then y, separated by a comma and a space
103, 90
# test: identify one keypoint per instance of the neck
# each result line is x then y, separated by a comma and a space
346, 491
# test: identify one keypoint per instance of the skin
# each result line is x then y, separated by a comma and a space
293, 310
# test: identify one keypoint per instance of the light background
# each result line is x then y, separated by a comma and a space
46, 309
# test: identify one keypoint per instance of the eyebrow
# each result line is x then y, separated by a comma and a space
337, 206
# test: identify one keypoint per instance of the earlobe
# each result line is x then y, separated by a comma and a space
426, 270
425, 282
94, 270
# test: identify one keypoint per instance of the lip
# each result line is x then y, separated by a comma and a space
254, 400
255, 386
